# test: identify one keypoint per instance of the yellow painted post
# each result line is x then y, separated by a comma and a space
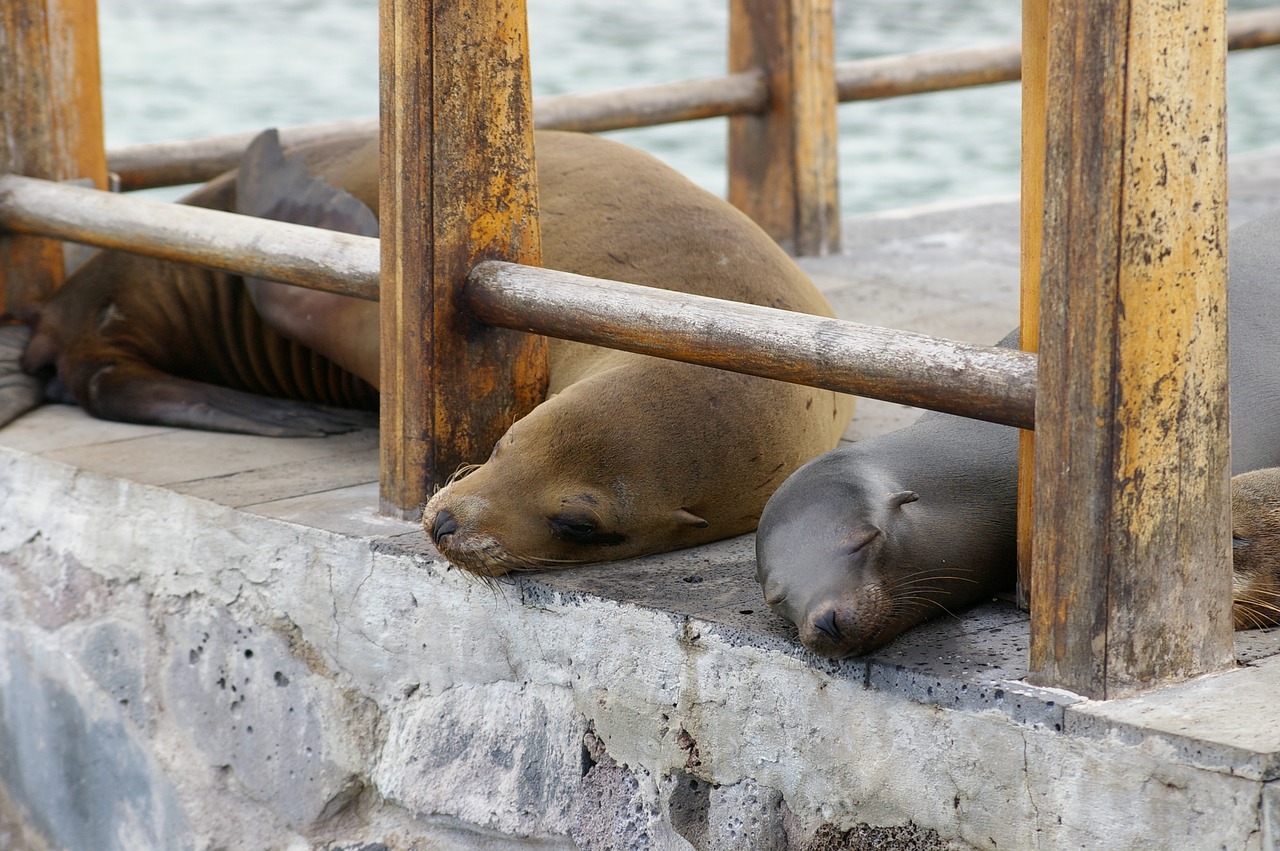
458, 186
783, 163
1035, 48
50, 123
1131, 584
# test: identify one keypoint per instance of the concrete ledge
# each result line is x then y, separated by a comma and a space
213, 641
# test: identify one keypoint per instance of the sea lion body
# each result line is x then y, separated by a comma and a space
145, 340
851, 568
651, 454
632, 454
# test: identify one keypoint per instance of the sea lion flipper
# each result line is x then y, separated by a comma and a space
272, 186
138, 393
19, 392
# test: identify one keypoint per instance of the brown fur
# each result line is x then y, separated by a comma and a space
633, 454
1255, 548
652, 454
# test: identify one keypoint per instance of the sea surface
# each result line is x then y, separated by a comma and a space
175, 69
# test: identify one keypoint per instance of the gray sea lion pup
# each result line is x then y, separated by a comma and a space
871, 539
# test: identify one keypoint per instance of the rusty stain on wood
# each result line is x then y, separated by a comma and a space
458, 186
50, 123
783, 163
1131, 566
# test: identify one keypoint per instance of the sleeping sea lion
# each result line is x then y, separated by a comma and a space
633, 454
629, 454
873, 538
144, 340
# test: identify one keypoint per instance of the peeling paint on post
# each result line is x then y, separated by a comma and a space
458, 186
1132, 562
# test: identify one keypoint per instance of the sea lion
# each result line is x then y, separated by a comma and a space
633, 454
873, 538
1255, 548
139, 339
629, 454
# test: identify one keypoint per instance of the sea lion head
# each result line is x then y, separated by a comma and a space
833, 556
1255, 548
589, 475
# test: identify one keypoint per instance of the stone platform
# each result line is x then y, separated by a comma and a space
214, 641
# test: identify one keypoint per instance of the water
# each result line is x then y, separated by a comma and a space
186, 68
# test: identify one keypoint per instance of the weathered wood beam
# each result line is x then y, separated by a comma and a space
50, 123
457, 186
784, 162
1035, 50
1131, 583
319, 259
913, 369
977, 381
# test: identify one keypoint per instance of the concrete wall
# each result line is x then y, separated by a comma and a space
175, 673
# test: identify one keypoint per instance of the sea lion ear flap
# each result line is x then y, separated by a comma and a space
897, 500
685, 517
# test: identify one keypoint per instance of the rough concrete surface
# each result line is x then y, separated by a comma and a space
213, 641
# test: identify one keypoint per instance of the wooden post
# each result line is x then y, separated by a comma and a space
1132, 561
458, 186
783, 163
1035, 50
50, 123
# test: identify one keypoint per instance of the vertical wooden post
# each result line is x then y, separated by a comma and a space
783, 164
50, 122
458, 186
1132, 562
1035, 55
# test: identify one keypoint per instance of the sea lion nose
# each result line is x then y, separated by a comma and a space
445, 525
826, 624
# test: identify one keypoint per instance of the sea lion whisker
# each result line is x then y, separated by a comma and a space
463, 471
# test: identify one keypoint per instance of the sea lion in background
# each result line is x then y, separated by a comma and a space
630, 454
144, 340
873, 538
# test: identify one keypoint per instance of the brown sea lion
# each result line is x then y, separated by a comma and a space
633, 454
144, 340
630, 454
871, 539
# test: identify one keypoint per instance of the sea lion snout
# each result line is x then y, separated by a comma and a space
848, 625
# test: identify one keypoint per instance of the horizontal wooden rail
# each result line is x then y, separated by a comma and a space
322, 260
193, 161
646, 106
898, 366
982, 382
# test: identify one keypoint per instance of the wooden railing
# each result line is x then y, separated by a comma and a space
1110, 612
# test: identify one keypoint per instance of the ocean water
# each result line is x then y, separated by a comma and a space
176, 69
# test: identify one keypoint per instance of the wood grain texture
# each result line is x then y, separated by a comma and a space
783, 163
1131, 554
977, 381
1035, 53
50, 123
458, 186
278, 251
